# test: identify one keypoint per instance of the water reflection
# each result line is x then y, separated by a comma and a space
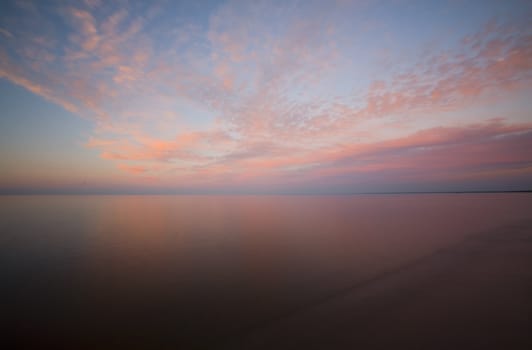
108, 270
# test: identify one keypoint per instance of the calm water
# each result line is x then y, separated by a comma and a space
198, 271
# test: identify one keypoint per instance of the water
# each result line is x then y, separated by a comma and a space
198, 271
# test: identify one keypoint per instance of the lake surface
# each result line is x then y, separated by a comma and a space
199, 271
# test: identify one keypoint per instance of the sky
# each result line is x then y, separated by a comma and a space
285, 96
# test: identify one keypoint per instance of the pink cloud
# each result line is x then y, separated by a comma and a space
462, 150
86, 22
438, 152
258, 95
133, 169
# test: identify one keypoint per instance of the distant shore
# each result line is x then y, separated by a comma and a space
92, 192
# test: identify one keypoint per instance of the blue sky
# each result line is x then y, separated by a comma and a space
265, 96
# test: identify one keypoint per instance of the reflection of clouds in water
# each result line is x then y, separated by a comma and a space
211, 265
277, 240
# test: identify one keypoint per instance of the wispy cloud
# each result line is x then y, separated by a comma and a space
133, 169
6, 33
252, 90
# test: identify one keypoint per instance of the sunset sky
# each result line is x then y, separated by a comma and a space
265, 96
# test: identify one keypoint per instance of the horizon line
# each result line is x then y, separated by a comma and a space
103, 193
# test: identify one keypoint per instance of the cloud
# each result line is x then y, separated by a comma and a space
133, 169
6, 33
476, 150
257, 91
